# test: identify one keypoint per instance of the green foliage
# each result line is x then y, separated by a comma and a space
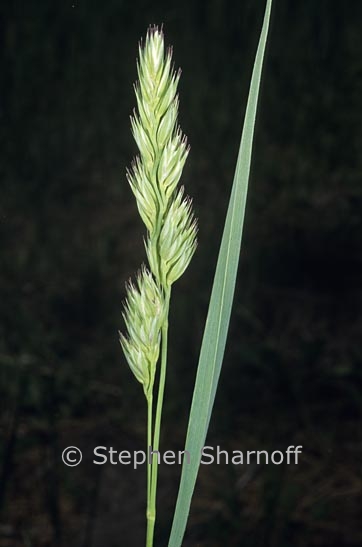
217, 323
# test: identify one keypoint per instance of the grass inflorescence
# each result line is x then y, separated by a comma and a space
171, 231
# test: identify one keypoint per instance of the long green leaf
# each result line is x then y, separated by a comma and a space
217, 323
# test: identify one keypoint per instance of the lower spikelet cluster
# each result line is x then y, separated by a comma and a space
166, 212
143, 316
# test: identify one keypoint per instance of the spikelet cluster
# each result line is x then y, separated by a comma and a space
157, 170
143, 317
166, 212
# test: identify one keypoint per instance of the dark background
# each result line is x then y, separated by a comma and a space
71, 236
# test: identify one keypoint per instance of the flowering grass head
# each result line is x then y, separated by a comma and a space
171, 231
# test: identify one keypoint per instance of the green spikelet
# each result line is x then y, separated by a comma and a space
143, 317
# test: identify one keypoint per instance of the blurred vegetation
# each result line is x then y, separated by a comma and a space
71, 236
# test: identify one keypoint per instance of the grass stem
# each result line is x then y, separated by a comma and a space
149, 442
151, 512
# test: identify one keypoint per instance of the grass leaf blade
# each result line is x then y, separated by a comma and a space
217, 323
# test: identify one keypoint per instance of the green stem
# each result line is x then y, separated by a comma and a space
151, 513
149, 441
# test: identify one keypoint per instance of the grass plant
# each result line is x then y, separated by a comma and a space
170, 244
